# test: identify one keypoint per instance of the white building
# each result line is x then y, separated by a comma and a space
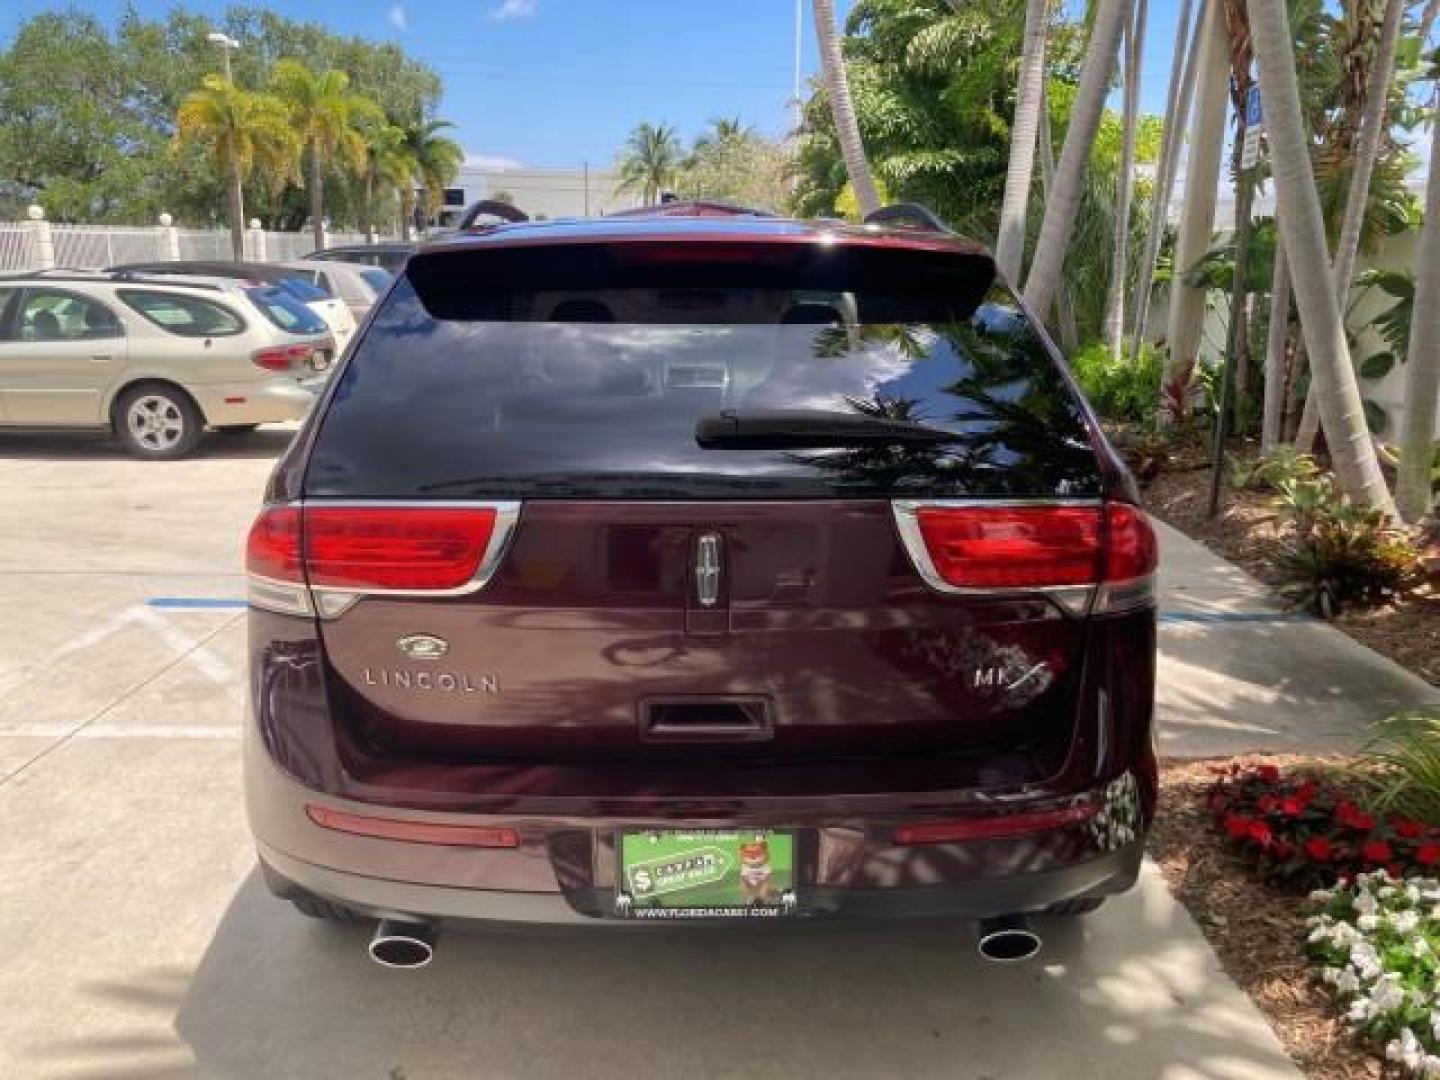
541, 193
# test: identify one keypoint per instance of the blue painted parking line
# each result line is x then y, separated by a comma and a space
1234, 616
223, 603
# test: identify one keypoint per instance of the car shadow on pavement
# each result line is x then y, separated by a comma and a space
266, 442
1130, 991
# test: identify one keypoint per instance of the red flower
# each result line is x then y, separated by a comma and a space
1306, 791
1427, 854
1261, 834
1376, 851
1237, 826
1351, 816
1408, 829
1319, 848
1269, 773
1294, 806
1267, 804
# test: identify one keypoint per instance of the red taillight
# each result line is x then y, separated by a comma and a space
994, 827
1000, 547
420, 548
1131, 550
272, 550
415, 832
283, 358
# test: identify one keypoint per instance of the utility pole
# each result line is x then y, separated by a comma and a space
796, 104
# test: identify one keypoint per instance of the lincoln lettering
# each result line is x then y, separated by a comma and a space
443, 682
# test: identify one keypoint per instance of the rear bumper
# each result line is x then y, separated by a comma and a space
1113, 872
564, 870
251, 403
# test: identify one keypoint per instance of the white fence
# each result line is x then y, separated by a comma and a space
37, 244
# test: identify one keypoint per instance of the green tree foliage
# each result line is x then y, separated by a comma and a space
650, 161
88, 111
731, 162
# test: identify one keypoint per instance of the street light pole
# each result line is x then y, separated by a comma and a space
224, 42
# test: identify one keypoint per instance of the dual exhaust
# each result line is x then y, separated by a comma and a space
401, 944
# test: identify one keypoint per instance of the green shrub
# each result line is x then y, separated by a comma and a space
1402, 763
1120, 390
1279, 465
1341, 554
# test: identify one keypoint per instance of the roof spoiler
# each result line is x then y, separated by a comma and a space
907, 215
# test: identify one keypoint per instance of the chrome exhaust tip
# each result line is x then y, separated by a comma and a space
400, 944
1008, 939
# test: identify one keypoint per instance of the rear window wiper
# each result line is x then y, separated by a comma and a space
783, 429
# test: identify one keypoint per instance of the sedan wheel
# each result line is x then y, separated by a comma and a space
157, 422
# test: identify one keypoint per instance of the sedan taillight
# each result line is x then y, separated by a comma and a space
282, 357
340, 553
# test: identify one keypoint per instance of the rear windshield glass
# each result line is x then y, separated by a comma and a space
592, 392
284, 310
305, 286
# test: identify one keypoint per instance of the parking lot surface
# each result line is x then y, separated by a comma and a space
139, 941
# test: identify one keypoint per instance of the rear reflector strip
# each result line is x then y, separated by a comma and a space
413, 832
995, 827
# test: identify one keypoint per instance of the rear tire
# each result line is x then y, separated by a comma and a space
1081, 905
236, 429
158, 422
316, 908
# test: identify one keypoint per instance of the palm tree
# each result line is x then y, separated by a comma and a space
837, 89
724, 130
1202, 179
246, 134
1177, 111
1272, 410
1029, 99
389, 164
1303, 229
326, 115
1367, 151
1422, 377
437, 159
1113, 325
1064, 201
650, 161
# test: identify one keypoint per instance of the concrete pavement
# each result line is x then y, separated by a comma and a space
138, 941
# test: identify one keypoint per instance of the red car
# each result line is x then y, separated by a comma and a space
700, 565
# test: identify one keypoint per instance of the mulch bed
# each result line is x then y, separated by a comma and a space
1256, 929
1247, 529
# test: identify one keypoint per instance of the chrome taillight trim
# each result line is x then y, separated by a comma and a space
1071, 599
1135, 594
330, 602
281, 597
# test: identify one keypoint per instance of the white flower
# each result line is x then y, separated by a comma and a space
1365, 904
1405, 1049
1368, 922
1405, 921
1360, 1011
1388, 995
1347, 983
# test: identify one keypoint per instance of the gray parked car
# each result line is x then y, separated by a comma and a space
156, 361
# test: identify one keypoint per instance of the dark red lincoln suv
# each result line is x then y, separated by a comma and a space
700, 565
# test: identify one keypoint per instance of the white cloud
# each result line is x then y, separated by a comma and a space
397, 16
489, 162
515, 9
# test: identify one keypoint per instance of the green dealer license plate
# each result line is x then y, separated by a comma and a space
706, 874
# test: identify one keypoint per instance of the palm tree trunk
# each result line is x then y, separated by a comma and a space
1067, 326
1202, 180
1029, 97
1422, 375
317, 198
837, 89
236, 197
1113, 325
1272, 415
1064, 201
1367, 149
367, 209
407, 209
1177, 111
1303, 228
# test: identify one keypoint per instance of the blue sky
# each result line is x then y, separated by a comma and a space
561, 82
